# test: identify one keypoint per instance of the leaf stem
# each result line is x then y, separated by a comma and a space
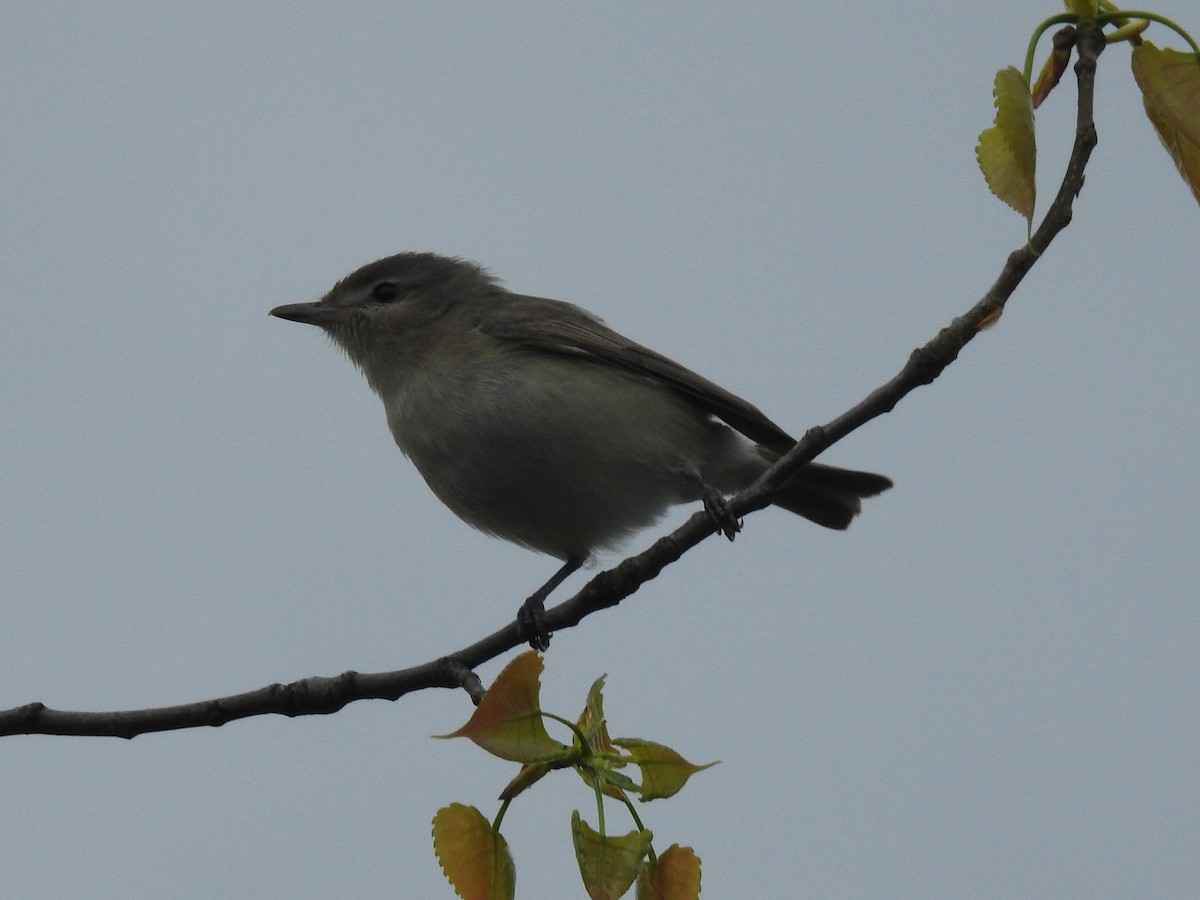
500, 816
1060, 19
579, 735
599, 804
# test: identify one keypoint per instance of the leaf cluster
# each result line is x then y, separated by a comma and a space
509, 723
1169, 81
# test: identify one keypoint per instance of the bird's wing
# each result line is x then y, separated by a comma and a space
556, 327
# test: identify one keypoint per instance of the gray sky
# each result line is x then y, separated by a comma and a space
988, 687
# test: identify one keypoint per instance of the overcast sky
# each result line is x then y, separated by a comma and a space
988, 687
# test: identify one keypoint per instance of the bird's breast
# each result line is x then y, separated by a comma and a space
556, 453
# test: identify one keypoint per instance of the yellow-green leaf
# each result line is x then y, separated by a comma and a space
608, 864
1170, 83
508, 721
474, 858
664, 771
1007, 152
675, 875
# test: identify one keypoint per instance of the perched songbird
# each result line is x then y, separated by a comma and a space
534, 421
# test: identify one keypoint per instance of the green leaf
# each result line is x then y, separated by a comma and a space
1170, 84
664, 772
608, 865
675, 875
508, 721
474, 858
1007, 152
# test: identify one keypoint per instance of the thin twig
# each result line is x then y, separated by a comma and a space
324, 695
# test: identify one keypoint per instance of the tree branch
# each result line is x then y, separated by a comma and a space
324, 695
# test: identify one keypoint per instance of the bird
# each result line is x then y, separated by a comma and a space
535, 422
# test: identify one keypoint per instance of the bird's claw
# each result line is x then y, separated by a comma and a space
531, 622
717, 507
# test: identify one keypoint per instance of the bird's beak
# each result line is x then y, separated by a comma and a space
315, 313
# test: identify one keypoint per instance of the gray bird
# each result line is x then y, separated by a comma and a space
535, 422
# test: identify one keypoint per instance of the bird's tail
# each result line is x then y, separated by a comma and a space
828, 495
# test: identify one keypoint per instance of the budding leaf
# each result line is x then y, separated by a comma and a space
1055, 65
591, 720
530, 774
604, 759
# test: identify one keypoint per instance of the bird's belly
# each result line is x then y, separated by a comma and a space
553, 459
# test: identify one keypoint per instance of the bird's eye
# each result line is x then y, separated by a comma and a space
385, 292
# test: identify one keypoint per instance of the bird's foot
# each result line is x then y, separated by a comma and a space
717, 507
531, 622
